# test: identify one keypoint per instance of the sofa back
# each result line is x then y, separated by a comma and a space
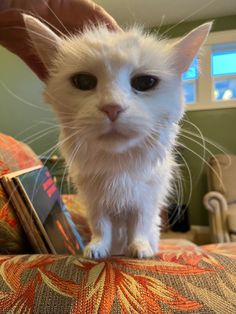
222, 176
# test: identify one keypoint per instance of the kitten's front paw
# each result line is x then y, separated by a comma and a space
96, 250
139, 249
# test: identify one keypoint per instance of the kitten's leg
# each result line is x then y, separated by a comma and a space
100, 245
119, 236
142, 236
154, 237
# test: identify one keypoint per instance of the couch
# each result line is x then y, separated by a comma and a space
220, 201
181, 278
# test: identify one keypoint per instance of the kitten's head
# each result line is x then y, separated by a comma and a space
115, 90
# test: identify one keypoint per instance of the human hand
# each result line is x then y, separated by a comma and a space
66, 16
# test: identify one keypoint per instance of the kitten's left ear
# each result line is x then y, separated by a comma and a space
44, 40
186, 49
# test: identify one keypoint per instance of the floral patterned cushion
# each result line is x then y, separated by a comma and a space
182, 278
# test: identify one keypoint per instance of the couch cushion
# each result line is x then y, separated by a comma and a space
231, 219
180, 279
15, 155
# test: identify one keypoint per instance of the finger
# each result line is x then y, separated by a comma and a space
103, 16
14, 37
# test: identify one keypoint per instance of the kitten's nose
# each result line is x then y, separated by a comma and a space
112, 111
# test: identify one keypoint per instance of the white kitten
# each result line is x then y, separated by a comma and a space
118, 98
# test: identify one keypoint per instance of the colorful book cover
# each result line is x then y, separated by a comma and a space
42, 213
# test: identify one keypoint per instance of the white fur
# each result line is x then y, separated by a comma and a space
123, 179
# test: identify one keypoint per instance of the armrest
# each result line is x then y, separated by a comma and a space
217, 206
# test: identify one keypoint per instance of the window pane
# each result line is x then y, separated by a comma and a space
225, 89
192, 73
223, 63
189, 92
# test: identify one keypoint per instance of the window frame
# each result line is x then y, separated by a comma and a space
204, 83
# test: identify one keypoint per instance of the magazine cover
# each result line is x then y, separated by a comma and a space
41, 212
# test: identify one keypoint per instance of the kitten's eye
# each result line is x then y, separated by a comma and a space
84, 81
144, 83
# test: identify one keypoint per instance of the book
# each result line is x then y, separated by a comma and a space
39, 207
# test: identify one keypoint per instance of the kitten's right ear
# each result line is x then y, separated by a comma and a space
44, 40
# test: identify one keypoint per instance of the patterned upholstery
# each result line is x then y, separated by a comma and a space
182, 278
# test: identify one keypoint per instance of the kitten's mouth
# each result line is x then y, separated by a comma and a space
113, 135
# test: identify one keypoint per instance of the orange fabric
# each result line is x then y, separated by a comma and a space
15, 155
190, 280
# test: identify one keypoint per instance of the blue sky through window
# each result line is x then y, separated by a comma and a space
225, 89
189, 92
188, 86
192, 73
223, 63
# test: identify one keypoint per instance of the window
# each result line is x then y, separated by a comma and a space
190, 83
223, 65
214, 86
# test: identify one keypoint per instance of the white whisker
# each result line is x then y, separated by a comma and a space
57, 18
206, 162
42, 134
21, 99
207, 140
189, 16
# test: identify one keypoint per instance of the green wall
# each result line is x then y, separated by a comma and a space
21, 120
217, 127
220, 24
22, 112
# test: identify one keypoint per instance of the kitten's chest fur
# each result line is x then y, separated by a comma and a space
122, 183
